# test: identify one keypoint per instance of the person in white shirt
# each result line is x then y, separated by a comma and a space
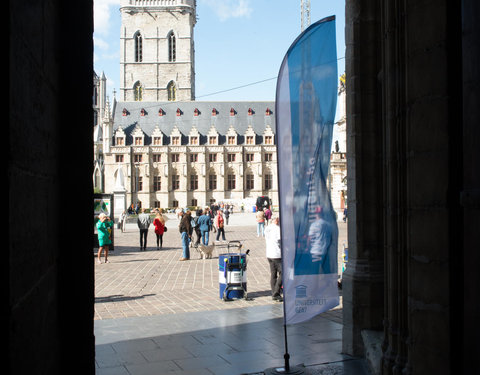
274, 256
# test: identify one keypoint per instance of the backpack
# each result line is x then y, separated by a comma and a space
193, 222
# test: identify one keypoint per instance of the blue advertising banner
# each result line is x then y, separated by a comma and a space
306, 102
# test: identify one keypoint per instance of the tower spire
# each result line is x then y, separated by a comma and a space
305, 13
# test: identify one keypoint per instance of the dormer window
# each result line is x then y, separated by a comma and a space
250, 140
212, 140
176, 141
268, 140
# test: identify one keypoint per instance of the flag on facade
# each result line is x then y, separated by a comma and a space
306, 100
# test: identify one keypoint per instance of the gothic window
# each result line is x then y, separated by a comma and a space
138, 91
138, 46
172, 91
194, 158
175, 182
268, 178
212, 182
157, 183
212, 158
171, 47
249, 157
175, 158
157, 158
193, 182
250, 181
231, 182
230, 158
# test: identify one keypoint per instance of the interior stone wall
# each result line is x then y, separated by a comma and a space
412, 81
48, 265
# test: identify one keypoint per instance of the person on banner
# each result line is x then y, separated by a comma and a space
104, 230
274, 257
320, 242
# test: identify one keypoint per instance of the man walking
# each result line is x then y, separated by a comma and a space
143, 222
274, 256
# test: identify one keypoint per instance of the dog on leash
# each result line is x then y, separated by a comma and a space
205, 251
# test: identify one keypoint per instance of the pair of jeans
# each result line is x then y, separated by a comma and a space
275, 276
186, 245
143, 238
260, 229
205, 235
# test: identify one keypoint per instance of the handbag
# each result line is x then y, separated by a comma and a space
164, 229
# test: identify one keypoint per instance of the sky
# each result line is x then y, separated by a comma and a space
239, 44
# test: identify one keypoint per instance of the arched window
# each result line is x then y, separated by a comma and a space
138, 46
138, 92
172, 47
172, 91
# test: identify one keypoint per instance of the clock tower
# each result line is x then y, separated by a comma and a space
157, 55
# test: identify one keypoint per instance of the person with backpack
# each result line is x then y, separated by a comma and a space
226, 214
204, 223
196, 227
220, 224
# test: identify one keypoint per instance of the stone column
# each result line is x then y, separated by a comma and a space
119, 195
363, 277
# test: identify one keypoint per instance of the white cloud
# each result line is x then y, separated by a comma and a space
226, 9
101, 15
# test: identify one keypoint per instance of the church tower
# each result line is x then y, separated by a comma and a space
157, 50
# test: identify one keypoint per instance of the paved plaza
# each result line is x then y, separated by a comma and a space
157, 315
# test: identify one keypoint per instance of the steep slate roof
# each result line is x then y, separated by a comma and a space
187, 120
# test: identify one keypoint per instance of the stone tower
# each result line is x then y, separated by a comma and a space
157, 50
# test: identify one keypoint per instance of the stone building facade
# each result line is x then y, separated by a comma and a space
182, 154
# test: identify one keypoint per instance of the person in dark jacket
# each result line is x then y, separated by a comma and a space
186, 231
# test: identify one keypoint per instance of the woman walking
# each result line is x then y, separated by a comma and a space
159, 224
220, 224
104, 229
